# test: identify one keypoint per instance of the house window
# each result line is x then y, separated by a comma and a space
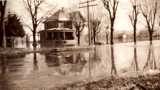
68, 24
51, 24
61, 25
69, 36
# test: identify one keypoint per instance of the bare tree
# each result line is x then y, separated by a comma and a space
134, 17
79, 28
149, 11
79, 23
111, 6
95, 29
33, 7
3, 4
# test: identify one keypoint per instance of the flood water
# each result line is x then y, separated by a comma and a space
38, 71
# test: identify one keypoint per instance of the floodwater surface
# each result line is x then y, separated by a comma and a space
38, 71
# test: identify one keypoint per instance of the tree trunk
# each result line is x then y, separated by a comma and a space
3, 7
4, 35
150, 37
94, 39
112, 30
34, 39
78, 38
111, 41
1, 38
1, 32
1, 35
135, 34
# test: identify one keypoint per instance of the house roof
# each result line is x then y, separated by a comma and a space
64, 15
60, 29
60, 15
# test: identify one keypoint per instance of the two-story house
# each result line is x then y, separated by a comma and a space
59, 30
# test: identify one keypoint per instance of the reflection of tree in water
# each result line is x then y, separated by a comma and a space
113, 66
11, 65
3, 65
134, 63
96, 57
79, 63
151, 62
94, 60
11, 68
5, 82
66, 62
35, 62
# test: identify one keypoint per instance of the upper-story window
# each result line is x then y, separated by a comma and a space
51, 24
61, 24
68, 24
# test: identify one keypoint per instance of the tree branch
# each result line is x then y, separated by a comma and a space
25, 25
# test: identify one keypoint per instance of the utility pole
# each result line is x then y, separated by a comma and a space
88, 16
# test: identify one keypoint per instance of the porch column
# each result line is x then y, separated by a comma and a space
64, 36
45, 32
52, 35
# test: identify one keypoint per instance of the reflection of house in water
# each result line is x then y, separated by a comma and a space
72, 62
11, 65
59, 30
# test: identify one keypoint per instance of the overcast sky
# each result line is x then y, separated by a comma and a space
122, 21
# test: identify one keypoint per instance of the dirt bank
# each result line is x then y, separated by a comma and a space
148, 82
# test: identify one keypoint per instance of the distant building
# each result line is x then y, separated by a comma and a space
59, 29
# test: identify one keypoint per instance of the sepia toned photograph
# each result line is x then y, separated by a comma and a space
79, 44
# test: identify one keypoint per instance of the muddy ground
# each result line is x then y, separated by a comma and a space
148, 82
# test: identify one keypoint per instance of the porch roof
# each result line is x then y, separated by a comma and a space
58, 30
